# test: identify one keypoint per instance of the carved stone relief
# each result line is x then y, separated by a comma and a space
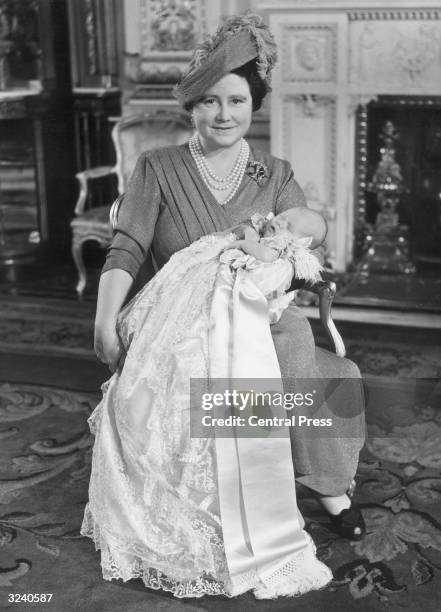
309, 52
392, 57
312, 105
171, 25
168, 32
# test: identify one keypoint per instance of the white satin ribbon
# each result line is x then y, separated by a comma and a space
262, 527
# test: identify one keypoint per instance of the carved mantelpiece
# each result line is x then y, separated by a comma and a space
335, 57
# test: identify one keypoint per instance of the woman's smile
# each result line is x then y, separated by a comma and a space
223, 130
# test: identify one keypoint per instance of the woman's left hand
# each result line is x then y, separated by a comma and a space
107, 346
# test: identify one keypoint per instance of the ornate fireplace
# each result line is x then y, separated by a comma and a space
346, 69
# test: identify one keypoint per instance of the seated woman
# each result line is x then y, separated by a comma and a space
182, 325
176, 195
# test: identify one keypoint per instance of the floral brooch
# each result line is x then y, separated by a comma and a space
257, 171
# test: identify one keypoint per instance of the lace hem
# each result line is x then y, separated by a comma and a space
117, 565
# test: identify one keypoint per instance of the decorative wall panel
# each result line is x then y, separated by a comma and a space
309, 52
395, 56
310, 144
173, 25
168, 31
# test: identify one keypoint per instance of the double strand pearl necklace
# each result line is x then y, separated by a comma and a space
230, 182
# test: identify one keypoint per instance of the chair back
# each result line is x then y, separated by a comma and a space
137, 133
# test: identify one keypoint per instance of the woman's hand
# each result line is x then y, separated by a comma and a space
112, 291
107, 346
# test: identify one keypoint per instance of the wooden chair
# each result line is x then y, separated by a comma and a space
131, 136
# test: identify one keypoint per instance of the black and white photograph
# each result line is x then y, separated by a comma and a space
220, 305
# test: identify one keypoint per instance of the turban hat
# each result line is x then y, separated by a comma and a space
239, 40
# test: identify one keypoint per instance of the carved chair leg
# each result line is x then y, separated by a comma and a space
77, 254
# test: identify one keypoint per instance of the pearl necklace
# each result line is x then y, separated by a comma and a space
230, 182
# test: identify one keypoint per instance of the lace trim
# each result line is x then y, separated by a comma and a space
303, 573
118, 565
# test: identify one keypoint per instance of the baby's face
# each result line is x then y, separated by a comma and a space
276, 225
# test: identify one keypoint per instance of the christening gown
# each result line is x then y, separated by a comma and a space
197, 516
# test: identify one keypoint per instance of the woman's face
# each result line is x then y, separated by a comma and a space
223, 116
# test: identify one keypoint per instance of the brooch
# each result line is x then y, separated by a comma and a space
257, 171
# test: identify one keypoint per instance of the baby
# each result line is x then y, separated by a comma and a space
300, 226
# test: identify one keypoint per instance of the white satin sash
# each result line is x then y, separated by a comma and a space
262, 527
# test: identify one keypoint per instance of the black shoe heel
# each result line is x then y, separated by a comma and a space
349, 523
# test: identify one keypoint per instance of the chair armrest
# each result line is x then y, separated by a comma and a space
114, 210
326, 291
84, 177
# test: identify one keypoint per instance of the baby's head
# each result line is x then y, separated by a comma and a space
301, 222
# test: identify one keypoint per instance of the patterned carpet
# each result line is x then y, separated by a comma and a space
51, 326
45, 463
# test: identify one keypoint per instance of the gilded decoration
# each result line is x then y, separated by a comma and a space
310, 52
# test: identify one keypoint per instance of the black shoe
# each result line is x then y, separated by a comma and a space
349, 523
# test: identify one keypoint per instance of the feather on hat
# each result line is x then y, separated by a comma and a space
239, 40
